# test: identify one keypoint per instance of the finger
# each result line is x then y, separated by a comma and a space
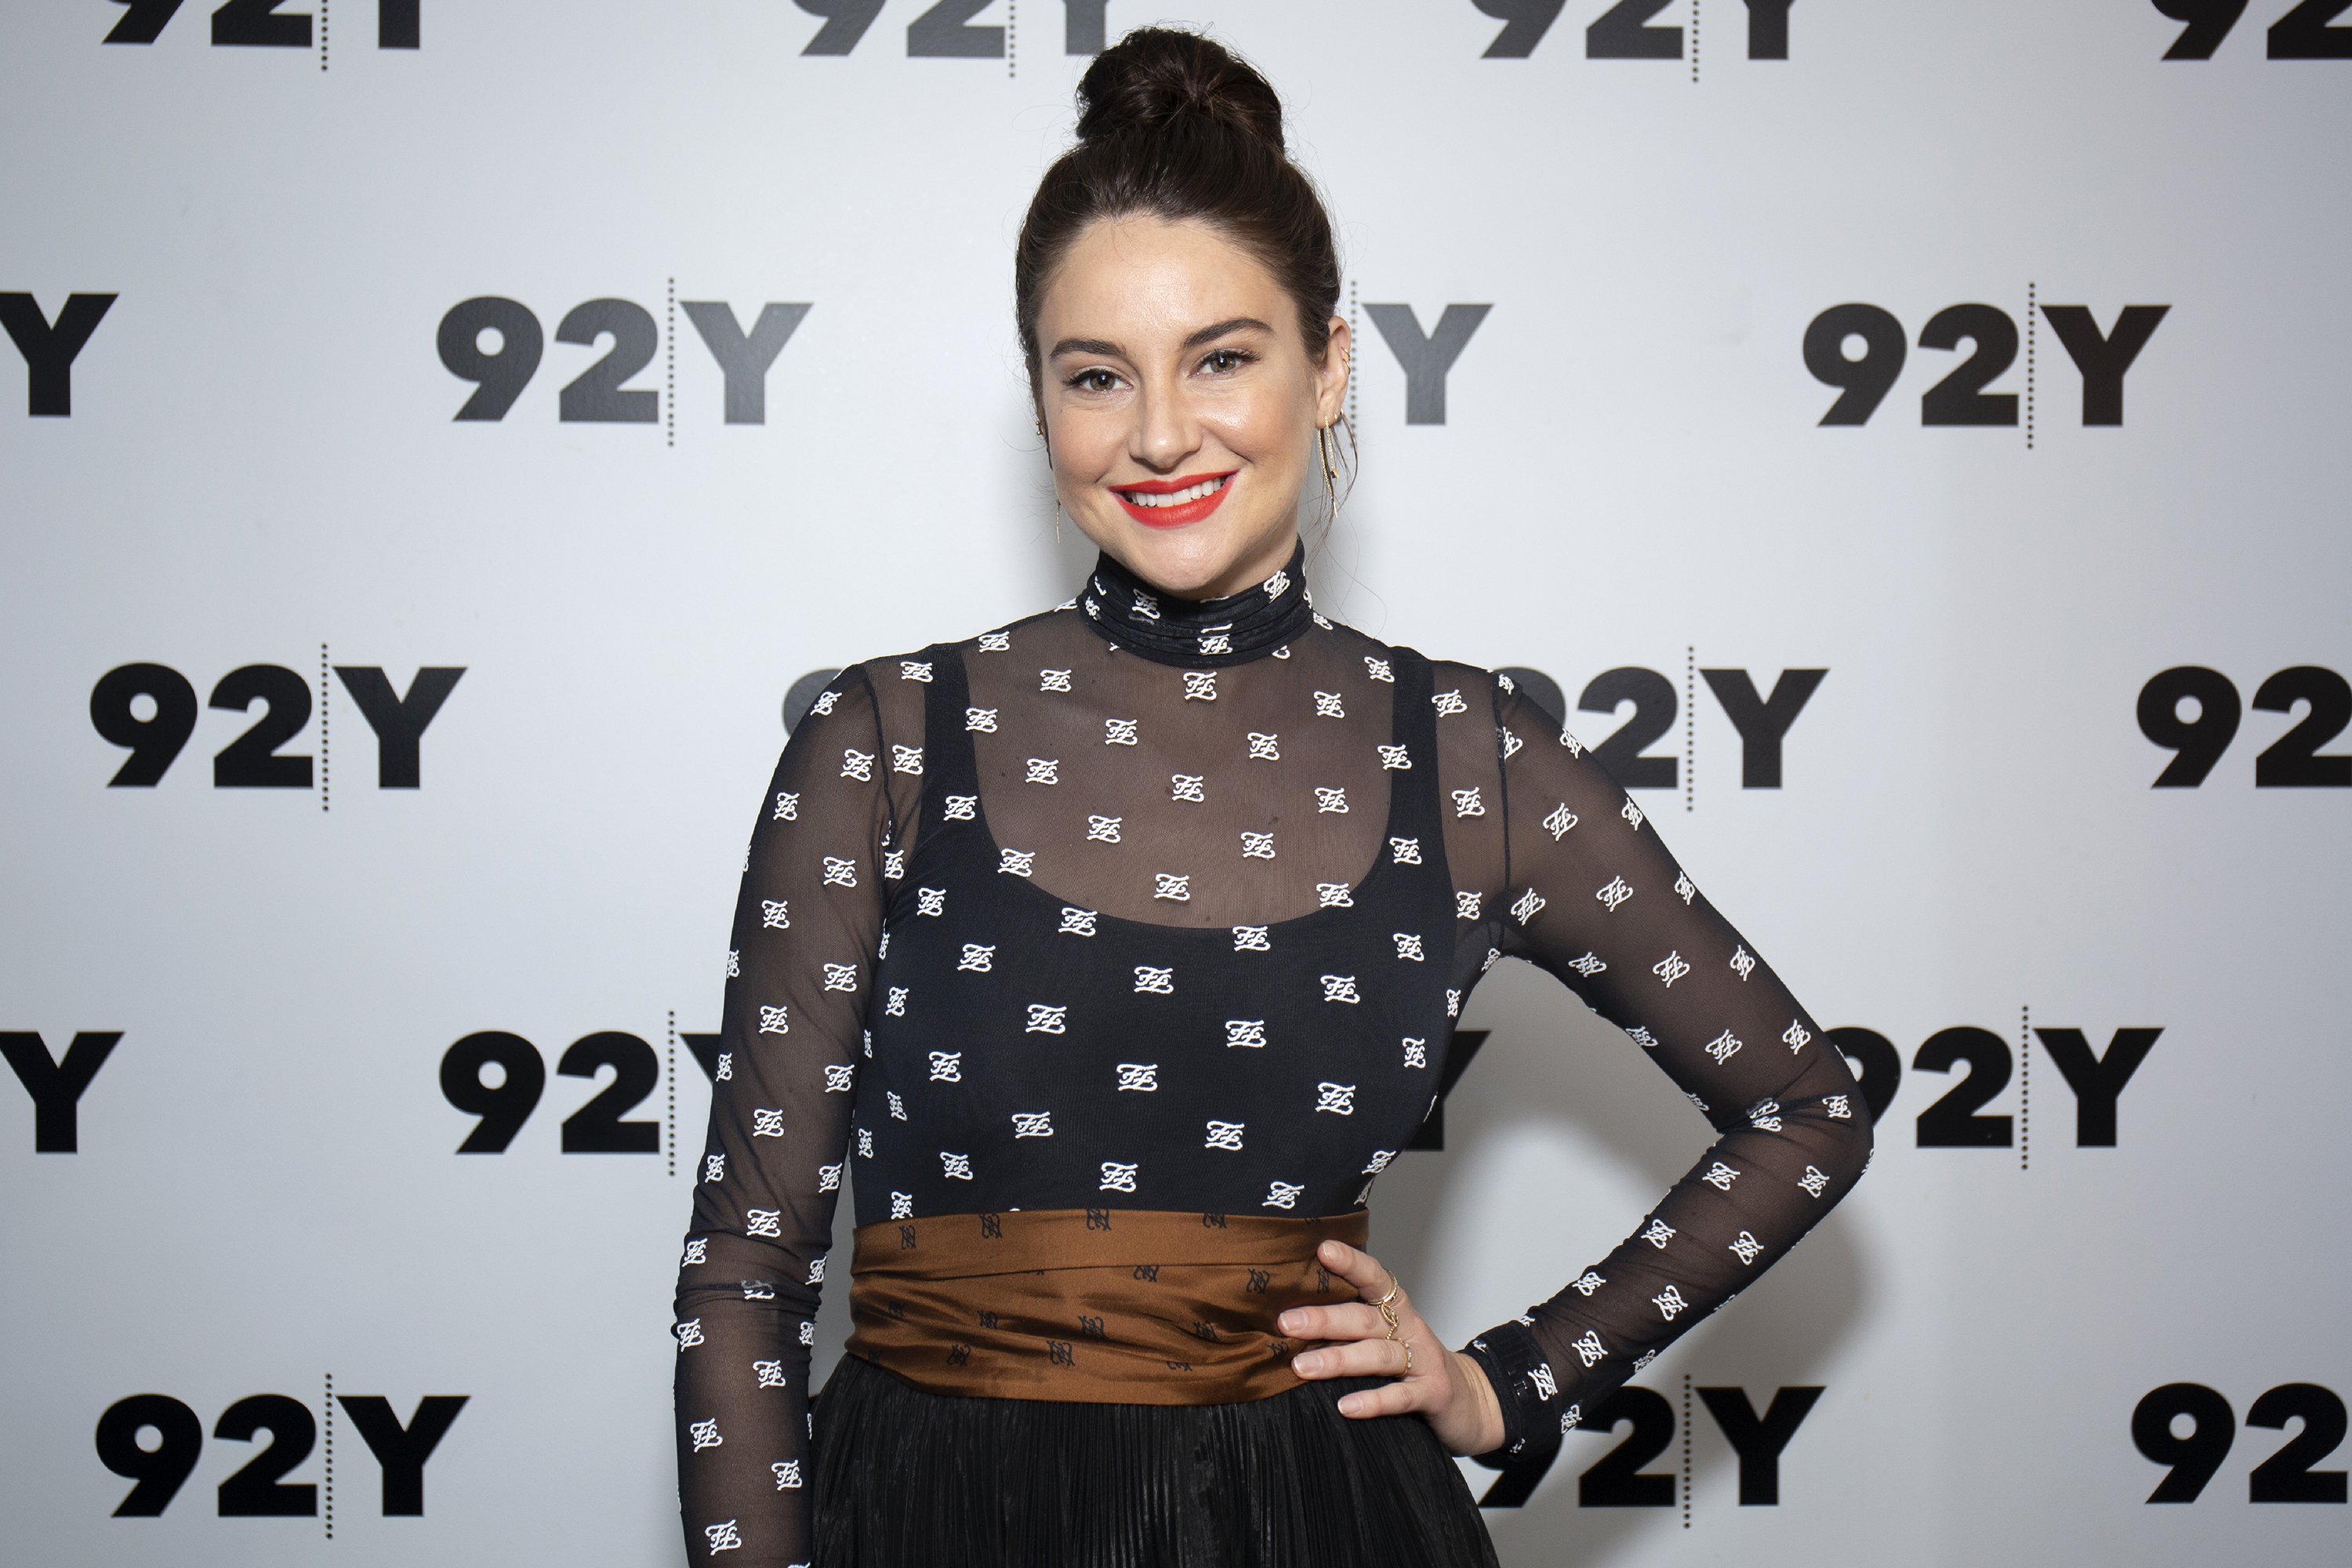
1355, 1358
1387, 1399
1351, 1320
1358, 1268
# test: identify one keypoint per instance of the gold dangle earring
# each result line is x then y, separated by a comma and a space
1330, 470
1323, 432
1323, 453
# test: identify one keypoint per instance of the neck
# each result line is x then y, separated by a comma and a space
1198, 633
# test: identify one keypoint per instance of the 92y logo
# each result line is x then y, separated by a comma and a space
258, 1489
2293, 760
2194, 1457
262, 24
596, 1128
1762, 719
150, 711
1624, 31
1427, 357
51, 347
1960, 399
2303, 33
496, 344
945, 29
1763, 722
1617, 1479
57, 1083
1958, 1119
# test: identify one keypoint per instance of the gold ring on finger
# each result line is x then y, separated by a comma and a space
1408, 1356
1388, 1315
1394, 1286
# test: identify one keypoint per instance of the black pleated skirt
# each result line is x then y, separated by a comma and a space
906, 1478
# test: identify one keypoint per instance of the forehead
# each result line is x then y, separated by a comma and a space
1135, 276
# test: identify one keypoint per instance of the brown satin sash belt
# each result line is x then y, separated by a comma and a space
1091, 1305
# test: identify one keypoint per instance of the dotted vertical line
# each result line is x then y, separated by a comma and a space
2024, 1083
1355, 353
328, 1499
1011, 24
2029, 314
1687, 1456
1695, 41
324, 754
669, 1076
669, 362
322, 35
1690, 727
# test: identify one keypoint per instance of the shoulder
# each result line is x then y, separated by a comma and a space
1457, 687
919, 667
888, 689
1507, 702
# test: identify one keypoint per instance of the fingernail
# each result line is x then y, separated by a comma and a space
1292, 1322
1308, 1363
1348, 1406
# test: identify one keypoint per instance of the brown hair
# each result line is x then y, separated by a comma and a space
1176, 126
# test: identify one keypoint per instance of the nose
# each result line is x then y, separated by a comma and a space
1166, 431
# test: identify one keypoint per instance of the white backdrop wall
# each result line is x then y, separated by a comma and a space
246, 1239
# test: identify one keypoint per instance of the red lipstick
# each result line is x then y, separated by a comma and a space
1164, 516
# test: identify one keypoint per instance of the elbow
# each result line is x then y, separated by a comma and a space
1857, 1136
729, 1266
1836, 1133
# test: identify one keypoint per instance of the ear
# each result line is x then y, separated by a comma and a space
1331, 376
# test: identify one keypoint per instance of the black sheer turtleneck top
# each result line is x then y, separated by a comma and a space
1160, 904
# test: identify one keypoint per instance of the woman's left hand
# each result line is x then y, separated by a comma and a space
1449, 1389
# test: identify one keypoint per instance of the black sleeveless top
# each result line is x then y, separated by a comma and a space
1038, 1050
1154, 904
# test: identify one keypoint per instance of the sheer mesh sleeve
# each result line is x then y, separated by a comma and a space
807, 922
1588, 892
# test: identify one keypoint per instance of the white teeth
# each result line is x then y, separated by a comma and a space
1178, 498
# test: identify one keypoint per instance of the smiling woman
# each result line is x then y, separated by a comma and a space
1174, 287
1115, 953
1179, 447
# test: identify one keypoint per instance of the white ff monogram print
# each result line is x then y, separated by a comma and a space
1075, 748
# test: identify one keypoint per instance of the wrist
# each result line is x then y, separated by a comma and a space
1509, 1357
1484, 1431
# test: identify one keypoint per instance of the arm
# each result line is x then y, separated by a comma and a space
1592, 895
807, 923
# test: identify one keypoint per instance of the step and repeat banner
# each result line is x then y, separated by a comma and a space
438, 436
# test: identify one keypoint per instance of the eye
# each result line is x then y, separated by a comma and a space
1222, 360
1094, 379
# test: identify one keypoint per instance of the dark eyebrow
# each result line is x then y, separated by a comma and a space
1237, 324
1109, 350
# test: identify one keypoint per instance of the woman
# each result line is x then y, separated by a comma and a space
1117, 952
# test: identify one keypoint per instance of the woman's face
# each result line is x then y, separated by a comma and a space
1180, 404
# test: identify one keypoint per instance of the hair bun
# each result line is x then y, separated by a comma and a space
1156, 78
